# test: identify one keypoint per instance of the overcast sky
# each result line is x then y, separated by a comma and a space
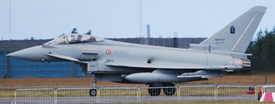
45, 19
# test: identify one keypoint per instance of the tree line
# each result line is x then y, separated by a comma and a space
263, 52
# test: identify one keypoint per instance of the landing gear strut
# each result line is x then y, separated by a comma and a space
93, 91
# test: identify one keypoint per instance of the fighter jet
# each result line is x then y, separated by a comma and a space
107, 60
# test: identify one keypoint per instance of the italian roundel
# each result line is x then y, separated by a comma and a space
108, 52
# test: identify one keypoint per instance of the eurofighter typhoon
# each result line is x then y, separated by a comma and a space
216, 56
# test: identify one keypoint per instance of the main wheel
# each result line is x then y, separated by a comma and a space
169, 91
93, 92
154, 91
259, 96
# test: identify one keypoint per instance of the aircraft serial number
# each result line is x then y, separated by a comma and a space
121, 52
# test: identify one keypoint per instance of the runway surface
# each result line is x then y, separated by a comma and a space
121, 99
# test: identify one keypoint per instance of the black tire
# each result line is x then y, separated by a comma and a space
154, 91
93, 92
259, 97
169, 91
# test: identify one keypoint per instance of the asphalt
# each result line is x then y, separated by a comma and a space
120, 99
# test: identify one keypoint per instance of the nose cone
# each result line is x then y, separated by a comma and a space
32, 54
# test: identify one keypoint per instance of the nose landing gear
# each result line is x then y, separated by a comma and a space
93, 91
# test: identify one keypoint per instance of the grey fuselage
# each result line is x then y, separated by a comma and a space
93, 58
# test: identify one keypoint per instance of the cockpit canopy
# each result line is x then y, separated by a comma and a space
74, 39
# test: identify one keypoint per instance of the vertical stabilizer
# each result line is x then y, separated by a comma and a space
236, 35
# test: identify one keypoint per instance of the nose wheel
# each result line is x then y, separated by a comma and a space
93, 91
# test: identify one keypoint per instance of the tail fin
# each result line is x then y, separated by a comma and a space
236, 35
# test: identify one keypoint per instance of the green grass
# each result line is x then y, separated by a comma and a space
7, 93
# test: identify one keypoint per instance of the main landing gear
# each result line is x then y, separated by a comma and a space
154, 89
93, 91
168, 89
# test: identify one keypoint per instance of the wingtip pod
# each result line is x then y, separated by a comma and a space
235, 36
